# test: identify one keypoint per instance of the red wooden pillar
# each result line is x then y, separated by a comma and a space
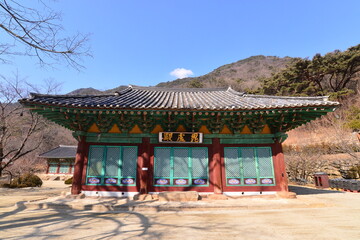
279, 158
79, 166
58, 168
215, 166
144, 165
48, 166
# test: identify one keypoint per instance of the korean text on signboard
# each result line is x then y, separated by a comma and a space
180, 137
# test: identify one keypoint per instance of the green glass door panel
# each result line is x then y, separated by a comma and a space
96, 158
112, 165
252, 166
181, 166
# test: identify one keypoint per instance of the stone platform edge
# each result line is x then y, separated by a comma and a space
144, 203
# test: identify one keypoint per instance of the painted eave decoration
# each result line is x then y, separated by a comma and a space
143, 109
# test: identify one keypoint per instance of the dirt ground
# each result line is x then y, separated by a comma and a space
8, 196
336, 217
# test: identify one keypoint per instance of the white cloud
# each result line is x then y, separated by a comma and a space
181, 73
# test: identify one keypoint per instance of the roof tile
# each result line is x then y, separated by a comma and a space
182, 99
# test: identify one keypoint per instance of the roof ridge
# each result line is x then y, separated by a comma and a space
324, 98
177, 89
135, 87
34, 95
135, 97
230, 90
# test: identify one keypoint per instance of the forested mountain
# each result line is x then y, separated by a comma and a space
85, 91
336, 74
240, 75
93, 91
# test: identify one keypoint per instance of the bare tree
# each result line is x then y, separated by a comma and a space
36, 31
21, 131
342, 124
335, 152
303, 162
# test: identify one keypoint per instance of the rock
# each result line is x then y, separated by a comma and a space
102, 208
78, 206
179, 196
217, 197
290, 195
81, 196
75, 196
54, 178
142, 197
44, 177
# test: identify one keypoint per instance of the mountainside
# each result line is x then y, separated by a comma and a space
85, 91
240, 75
93, 91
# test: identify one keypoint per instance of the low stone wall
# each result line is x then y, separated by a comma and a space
345, 184
54, 177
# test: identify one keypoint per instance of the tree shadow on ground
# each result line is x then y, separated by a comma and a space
54, 223
299, 190
20, 206
42, 223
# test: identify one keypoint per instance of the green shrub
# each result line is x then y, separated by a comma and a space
353, 118
69, 181
26, 180
352, 173
5, 185
355, 172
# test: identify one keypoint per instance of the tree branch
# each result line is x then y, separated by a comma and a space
40, 33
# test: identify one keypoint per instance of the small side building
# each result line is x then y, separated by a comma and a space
60, 160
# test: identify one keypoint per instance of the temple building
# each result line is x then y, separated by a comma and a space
60, 160
150, 140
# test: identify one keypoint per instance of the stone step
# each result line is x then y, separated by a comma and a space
179, 196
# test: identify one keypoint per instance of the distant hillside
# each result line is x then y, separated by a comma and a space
240, 75
117, 89
93, 91
85, 91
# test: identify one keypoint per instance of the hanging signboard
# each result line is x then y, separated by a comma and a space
180, 137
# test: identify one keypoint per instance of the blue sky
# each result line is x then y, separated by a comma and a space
142, 42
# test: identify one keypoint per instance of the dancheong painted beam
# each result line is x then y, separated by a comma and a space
147, 140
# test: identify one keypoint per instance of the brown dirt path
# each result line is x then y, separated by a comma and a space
337, 219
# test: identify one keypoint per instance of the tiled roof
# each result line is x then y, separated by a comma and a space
61, 151
181, 99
